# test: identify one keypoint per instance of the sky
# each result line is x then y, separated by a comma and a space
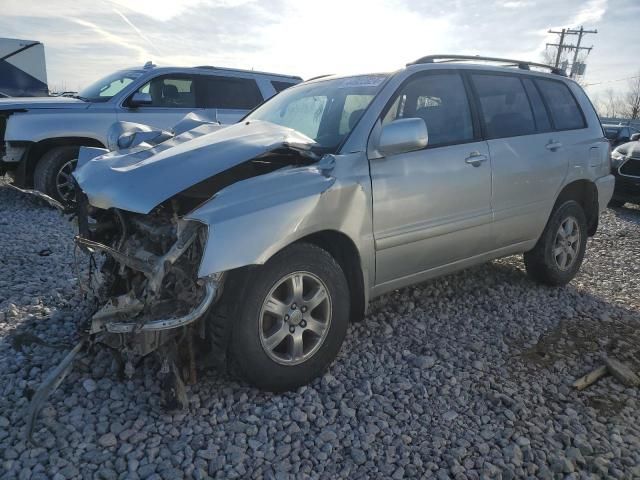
87, 39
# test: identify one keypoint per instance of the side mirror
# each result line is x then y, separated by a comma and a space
404, 135
635, 137
139, 99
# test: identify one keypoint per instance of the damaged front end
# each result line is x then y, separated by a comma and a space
145, 283
146, 215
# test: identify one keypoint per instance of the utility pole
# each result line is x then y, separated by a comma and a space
575, 70
560, 46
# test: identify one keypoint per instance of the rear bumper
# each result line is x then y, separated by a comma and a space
605, 187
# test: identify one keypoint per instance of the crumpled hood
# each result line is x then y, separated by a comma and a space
139, 179
36, 103
630, 149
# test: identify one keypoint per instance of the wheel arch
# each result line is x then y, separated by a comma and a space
344, 251
585, 193
38, 149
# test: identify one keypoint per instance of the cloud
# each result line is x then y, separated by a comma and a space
307, 37
136, 29
591, 13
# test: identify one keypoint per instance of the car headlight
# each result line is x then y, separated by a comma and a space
617, 159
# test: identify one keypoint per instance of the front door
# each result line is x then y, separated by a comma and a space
432, 207
172, 97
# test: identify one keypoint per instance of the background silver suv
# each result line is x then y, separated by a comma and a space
40, 136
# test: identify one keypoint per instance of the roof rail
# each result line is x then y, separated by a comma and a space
507, 62
226, 69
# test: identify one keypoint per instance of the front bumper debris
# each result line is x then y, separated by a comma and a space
50, 384
111, 310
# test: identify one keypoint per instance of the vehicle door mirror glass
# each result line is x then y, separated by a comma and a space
635, 137
140, 99
404, 135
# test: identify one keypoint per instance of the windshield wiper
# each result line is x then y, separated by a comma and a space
74, 95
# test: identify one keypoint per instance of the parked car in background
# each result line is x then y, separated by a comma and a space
625, 164
269, 235
40, 137
618, 134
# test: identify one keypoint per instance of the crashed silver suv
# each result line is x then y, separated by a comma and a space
254, 245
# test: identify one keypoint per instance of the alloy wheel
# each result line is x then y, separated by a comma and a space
295, 318
65, 185
566, 246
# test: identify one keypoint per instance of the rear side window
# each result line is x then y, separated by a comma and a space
280, 86
539, 111
565, 112
504, 104
231, 93
441, 101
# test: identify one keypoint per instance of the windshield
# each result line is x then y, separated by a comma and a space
107, 87
324, 111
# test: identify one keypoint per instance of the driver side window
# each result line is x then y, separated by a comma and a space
441, 101
171, 91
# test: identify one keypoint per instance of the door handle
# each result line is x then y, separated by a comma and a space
475, 159
553, 146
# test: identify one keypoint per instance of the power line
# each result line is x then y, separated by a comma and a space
611, 81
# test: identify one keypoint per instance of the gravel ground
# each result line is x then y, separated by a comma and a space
467, 376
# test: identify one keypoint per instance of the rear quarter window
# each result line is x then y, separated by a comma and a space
565, 111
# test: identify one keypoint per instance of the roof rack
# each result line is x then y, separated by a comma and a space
506, 62
318, 76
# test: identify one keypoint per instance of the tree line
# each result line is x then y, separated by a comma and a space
613, 103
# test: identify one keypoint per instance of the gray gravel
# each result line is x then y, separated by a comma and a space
467, 376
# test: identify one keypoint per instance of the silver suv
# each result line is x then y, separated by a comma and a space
40, 136
265, 238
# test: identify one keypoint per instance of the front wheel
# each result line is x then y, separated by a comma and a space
290, 318
557, 256
54, 173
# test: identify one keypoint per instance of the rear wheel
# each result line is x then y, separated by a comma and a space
53, 173
289, 320
557, 256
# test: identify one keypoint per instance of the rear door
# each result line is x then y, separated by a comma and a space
172, 97
431, 207
230, 98
527, 157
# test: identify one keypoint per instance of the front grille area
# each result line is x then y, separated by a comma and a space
631, 167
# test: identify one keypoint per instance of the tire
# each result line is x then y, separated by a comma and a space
280, 367
616, 203
541, 263
48, 173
